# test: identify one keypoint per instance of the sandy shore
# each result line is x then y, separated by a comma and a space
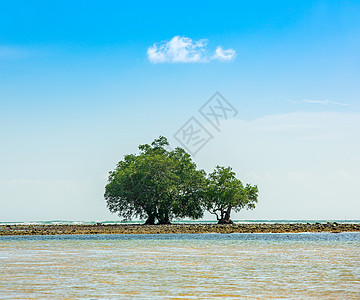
176, 228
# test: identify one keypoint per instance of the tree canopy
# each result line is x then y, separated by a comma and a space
158, 185
224, 193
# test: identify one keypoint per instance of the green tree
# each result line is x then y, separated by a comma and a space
224, 193
156, 185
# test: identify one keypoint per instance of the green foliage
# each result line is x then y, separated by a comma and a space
160, 185
156, 184
224, 192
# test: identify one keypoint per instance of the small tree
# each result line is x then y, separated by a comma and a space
224, 193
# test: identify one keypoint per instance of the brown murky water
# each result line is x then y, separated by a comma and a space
255, 266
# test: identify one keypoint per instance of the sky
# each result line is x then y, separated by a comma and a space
83, 83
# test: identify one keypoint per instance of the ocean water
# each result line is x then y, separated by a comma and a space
181, 266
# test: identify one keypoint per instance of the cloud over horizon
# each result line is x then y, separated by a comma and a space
301, 161
185, 50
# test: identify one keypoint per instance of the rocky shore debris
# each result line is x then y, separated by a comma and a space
101, 228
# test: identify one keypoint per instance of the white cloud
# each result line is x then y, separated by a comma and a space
178, 49
185, 50
324, 102
224, 55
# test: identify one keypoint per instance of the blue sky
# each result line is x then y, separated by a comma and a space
78, 90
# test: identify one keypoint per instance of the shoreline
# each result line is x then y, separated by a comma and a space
9, 230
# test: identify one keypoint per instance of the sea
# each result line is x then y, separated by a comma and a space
181, 266
67, 222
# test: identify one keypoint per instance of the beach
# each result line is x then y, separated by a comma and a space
100, 228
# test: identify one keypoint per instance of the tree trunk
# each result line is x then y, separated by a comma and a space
150, 220
227, 214
225, 218
164, 221
163, 217
224, 221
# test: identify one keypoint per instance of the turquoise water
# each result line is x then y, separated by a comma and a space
185, 266
60, 222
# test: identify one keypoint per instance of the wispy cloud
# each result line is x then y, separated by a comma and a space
224, 55
321, 102
324, 102
185, 50
10, 52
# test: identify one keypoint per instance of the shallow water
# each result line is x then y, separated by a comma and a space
257, 266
